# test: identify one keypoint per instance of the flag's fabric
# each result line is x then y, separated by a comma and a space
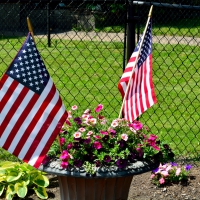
31, 110
141, 95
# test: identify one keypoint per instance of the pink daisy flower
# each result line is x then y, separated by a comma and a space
85, 116
90, 133
92, 121
114, 123
74, 107
77, 134
81, 129
124, 137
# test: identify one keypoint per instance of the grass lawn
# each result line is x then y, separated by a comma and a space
87, 73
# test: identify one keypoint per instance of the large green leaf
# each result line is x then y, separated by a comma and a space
41, 181
21, 189
2, 172
26, 179
10, 192
41, 192
13, 175
8, 164
1, 189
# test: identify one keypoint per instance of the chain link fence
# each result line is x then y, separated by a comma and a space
84, 46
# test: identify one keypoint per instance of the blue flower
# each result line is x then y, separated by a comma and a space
155, 170
173, 164
188, 167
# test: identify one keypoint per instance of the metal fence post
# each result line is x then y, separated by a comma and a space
130, 30
48, 25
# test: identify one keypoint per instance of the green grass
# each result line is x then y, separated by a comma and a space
87, 73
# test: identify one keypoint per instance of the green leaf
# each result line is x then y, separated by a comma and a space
1, 189
10, 192
8, 164
21, 189
2, 178
2, 172
13, 175
41, 181
26, 179
41, 192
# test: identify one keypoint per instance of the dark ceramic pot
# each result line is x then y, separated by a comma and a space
109, 183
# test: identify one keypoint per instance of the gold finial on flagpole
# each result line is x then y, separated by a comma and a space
30, 28
150, 12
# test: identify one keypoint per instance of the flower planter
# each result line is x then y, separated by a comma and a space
107, 184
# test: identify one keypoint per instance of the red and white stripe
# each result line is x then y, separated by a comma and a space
141, 95
29, 122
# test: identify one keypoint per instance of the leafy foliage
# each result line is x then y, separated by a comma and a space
17, 179
170, 173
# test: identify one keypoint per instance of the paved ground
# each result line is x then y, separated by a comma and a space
118, 37
107, 37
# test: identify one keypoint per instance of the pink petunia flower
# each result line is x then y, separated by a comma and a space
85, 116
65, 155
74, 107
69, 114
103, 121
165, 173
152, 176
133, 130
178, 171
62, 141
64, 164
77, 134
114, 123
87, 111
124, 137
97, 145
90, 133
99, 108
81, 129
137, 125
103, 132
162, 181
97, 137
93, 121
156, 147
168, 168
152, 141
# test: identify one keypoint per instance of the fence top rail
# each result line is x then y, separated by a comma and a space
63, 1
167, 5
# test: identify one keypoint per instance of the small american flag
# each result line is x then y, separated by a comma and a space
141, 95
31, 110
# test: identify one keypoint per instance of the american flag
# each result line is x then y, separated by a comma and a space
141, 95
31, 110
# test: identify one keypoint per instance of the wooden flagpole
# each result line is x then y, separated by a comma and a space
126, 93
30, 28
